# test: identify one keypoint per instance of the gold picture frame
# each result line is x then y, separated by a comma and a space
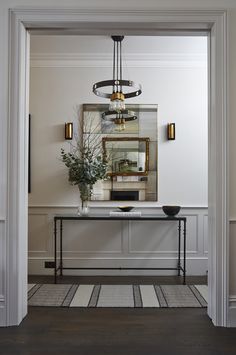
122, 165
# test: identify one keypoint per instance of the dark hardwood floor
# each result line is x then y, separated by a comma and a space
99, 331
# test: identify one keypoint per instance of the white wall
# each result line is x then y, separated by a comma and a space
175, 80
173, 74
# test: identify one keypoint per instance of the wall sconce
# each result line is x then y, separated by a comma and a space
69, 130
171, 131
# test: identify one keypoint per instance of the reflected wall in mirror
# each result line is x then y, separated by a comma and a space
131, 153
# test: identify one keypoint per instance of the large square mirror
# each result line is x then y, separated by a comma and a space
130, 151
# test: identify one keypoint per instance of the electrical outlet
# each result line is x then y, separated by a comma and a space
49, 264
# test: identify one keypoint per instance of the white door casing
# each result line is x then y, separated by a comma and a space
127, 22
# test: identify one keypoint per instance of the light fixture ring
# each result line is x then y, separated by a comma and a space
126, 115
123, 83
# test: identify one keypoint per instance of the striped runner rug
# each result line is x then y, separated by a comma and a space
123, 296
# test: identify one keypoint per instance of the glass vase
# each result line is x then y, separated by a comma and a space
83, 209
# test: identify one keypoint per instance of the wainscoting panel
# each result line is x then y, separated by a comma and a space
205, 233
161, 237
117, 243
153, 237
83, 237
39, 233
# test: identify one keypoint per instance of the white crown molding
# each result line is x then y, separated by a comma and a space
132, 60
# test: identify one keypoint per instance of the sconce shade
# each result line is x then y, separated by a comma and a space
171, 131
69, 130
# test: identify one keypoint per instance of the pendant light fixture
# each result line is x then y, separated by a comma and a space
119, 118
120, 89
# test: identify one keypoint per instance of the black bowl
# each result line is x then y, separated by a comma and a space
171, 210
125, 208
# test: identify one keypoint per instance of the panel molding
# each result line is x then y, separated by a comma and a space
132, 251
205, 233
46, 216
124, 240
68, 252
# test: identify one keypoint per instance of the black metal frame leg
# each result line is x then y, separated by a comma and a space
184, 272
55, 251
179, 249
61, 265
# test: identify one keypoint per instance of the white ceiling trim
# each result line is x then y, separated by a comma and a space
134, 60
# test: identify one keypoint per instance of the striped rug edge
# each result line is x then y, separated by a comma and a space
93, 294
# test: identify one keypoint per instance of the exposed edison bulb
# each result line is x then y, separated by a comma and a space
120, 124
117, 102
120, 128
117, 105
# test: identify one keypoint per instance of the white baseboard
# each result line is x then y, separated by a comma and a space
232, 301
232, 311
195, 266
2, 311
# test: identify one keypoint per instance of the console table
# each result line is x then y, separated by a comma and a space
181, 223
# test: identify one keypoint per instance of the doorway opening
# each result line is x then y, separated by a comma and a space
174, 76
215, 23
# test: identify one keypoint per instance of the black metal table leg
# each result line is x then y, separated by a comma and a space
61, 266
184, 272
179, 248
55, 251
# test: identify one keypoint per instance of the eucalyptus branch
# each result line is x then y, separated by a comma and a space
85, 161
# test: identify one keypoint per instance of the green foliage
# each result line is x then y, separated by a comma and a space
86, 166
